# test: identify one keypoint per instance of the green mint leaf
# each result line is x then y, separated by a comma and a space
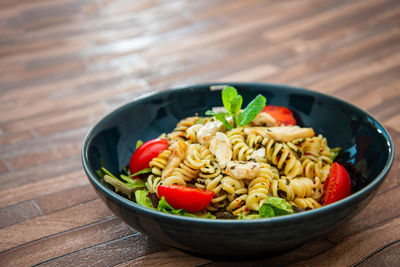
142, 198
228, 94
235, 108
236, 104
147, 170
252, 109
221, 118
210, 113
139, 143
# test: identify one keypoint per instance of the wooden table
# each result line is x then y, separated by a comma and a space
64, 64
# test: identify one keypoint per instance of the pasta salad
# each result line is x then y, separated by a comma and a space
234, 164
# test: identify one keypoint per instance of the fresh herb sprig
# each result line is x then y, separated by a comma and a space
232, 102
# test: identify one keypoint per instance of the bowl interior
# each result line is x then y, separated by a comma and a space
366, 144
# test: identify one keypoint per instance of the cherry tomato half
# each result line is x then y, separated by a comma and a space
337, 186
183, 197
281, 114
145, 153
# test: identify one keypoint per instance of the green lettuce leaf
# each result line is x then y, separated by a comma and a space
275, 207
142, 198
147, 170
266, 211
133, 183
163, 206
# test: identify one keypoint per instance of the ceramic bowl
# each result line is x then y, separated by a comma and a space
368, 154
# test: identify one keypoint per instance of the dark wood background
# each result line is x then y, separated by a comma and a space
66, 63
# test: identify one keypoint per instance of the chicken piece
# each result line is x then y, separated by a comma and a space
289, 133
264, 119
263, 131
208, 131
281, 133
191, 133
178, 153
221, 147
258, 155
242, 169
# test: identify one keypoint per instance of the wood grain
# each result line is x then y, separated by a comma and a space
65, 64
64, 220
359, 246
64, 243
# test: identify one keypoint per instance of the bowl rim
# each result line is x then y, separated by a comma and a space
287, 218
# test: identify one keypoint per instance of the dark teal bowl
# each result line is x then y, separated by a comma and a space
368, 155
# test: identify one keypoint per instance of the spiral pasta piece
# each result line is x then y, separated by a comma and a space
191, 133
158, 164
313, 169
189, 168
174, 178
206, 154
282, 158
296, 188
218, 202
241, 151
232, 185
322, 171
238, 205
210, 177
259, 187
294, 148
237, 194
152, 183
193, 158
254, 141
316, 148
305, 203
308, 167
179, 133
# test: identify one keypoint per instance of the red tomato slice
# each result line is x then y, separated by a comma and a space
145, 153
337, 186
281, 114
183, 197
